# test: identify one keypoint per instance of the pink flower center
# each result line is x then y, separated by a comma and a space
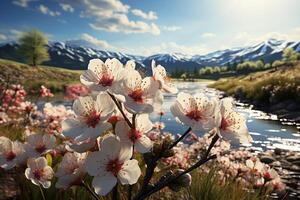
10, 156
93, 119
137, 95
134, 135
194, 114
40, 148
224, 124
106, 80
38, 173
114, 119
267, 176
114, 166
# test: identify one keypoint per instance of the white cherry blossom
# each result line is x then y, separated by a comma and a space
70, 170
136, 136
39, 172
110, 164
39, 144
198, 111
232, 125
91, 115
159, 74
102, 76
80, 147
130, 64
139, 93
256, 167
11, 153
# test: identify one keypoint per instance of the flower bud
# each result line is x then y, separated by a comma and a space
168, 153
167, 142
184, 180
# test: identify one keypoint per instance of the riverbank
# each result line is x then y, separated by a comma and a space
33, 77
272, 91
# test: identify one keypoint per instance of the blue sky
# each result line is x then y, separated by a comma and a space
154, 26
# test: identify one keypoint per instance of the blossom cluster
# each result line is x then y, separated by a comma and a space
110, 125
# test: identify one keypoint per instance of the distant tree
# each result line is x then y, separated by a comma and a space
33, 47
259, 64
277, 63
289, 55
267, 66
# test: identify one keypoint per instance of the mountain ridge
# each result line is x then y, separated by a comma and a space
74, 54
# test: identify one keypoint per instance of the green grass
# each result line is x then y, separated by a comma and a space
33, 77
206, 186
279, 85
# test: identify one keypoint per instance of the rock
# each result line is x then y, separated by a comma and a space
293, 158
267, 159
275, 164
296, 162
278, 151
293, 106
295, 168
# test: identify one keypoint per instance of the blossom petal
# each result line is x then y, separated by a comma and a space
104, 184
122, 130
72, 128
143, 144
111, 146
143, 123
96, 163
5, 144
83, 105
93, 133
130, 172
104, 105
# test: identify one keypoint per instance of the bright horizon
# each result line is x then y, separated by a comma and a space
143, 27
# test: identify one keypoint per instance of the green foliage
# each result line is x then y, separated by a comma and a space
250, 66
207, 186
33, 47
290, 55
269, 86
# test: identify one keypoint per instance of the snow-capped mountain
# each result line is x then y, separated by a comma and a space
75, 54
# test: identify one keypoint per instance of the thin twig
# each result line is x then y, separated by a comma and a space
180, 138
153, 163
42, 193
161, 184
115, 193
119, 106
88, 188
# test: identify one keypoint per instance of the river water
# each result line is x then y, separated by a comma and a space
266, 130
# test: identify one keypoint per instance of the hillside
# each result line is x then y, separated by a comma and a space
274, 91
33, 77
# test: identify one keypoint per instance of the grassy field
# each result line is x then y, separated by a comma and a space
270, 86
33, 77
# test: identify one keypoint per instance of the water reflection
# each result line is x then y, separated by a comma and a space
267, 131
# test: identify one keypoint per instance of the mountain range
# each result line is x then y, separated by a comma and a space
75, 54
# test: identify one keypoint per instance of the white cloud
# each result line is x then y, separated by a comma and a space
208, 35
112, 16
171, 28
96, 42
22, 3
2, 37
45, 10
245, 38
121, 23
150, 16
66, 7
169, 47
15, 34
